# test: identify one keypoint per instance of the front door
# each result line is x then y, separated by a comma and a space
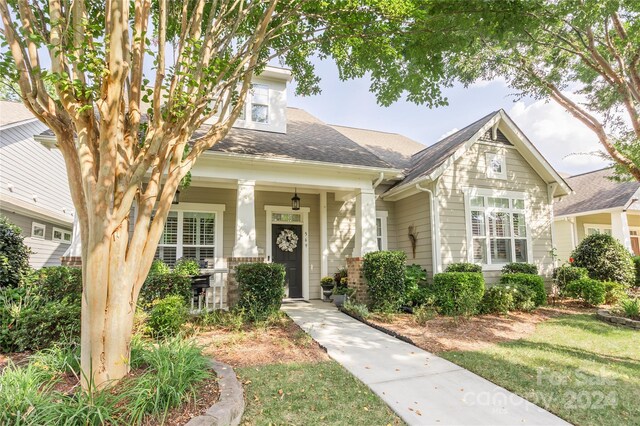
287, 250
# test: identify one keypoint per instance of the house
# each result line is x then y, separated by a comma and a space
483, 194
599, 205
34, 193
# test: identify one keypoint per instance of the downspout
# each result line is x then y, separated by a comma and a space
378, 182
435, 230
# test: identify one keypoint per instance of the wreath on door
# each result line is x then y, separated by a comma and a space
287, 240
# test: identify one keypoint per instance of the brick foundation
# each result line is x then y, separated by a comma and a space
355, 276
74, 261
233, 293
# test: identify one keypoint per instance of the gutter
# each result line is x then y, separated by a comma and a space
376, 183
435, 230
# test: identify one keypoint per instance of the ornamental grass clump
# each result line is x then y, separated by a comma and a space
385, 275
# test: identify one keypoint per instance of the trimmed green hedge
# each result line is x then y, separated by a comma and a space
385, 275
56, 282
167, 316
497, 300
161, 286
564, 274
458, 293
520, 268
464, 267
605, 259
534, 282
261, 288
14, 254
591, 292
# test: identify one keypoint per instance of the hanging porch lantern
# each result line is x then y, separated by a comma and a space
295, 201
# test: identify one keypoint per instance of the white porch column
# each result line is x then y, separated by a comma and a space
620, 229
245, 245
324, 251
365, 223
75, 249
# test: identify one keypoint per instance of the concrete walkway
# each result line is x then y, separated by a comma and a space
420, 387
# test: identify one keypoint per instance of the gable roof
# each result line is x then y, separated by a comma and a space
594, 191
393, 148
307, 138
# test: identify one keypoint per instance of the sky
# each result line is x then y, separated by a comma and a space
563, 140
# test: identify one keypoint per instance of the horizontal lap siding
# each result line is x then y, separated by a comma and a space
414, 211
341, 226
562, 230
469, 172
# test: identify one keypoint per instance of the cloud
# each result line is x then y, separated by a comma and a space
450, 132
563, 140
484, 83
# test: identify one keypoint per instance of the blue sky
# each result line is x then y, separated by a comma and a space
564, 141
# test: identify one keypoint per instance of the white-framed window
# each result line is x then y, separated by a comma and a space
38, 230
496, 166
381, 230
61, 235
260, 103
591, 229
193, 231
497, 227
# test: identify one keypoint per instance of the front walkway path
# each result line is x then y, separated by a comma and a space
420, 387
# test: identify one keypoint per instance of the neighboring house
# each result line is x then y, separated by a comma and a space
599, 205
34, 193
483, 194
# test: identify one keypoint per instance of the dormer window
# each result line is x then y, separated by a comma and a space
260, 103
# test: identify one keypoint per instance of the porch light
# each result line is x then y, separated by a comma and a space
176, 197
295, 201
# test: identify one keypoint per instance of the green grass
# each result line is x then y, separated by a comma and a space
582, 369
310, 394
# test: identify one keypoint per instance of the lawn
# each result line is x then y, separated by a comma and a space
583, 370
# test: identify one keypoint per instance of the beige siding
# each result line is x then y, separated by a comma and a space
44, 252
562, 230
414, 211
389, 207
341, 226
469, 172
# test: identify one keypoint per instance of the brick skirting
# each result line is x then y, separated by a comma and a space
355, 277
74, 261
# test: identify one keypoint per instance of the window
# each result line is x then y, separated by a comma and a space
496, 166
498, 229
591, 229
286, 217
260, 103
38, 230
191, 234
381, 230
61, 235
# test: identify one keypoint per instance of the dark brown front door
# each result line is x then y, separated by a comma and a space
289, 256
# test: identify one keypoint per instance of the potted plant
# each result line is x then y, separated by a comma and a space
342, 293
327, 284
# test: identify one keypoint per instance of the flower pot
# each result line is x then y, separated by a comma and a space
339, 299
327, 290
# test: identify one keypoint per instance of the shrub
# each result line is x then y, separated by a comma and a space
636, 265
497, 300
630, 308
188, 267
520, 268
158, 267
464, 267
24, 393
14, 254
167, 316
613, 292
165, 285
356, 309
384, 272
605, 259
458, 293
340, 274
590, 291
523, 297
419, 296
534, 282
564, 274
56, 283
416, 291
423, 314
261, 288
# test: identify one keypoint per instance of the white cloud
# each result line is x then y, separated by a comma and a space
450, 132
484, 83
562, 139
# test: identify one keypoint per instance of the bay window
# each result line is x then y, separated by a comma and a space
497, 228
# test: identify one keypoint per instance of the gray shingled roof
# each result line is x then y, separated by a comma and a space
393, 148
594, 191
427, 160
307, 138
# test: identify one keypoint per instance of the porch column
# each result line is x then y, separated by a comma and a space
73, 255
245, 245
620, 229
365, 223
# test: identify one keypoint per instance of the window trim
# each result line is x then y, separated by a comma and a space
268, 104
489, 171
63, 232
493, 193
35, 225
599, 227
218, 211
384, 233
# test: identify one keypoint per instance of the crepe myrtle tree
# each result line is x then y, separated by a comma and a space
88, 68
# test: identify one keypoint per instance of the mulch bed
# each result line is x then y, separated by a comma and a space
281, 343
443, 334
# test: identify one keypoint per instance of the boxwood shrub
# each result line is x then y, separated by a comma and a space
161, 285
385, 275
591, 292
14, 254
458, 293
167, 316
464, 267
56, 283
261, 287
497, 300
520, 268
534, 282
564, 274
605, 259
